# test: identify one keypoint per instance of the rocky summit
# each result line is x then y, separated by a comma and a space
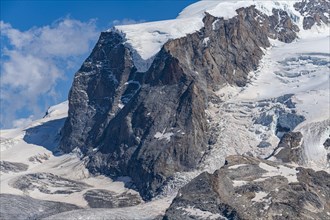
220, 113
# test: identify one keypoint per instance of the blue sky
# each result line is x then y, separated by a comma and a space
43, 43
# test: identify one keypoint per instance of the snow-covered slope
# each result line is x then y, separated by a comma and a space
148, 38
301, 69
227, 9
34, 146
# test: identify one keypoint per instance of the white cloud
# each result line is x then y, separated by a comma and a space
127, 21
29, 73
22, 122
33, 62
65, 38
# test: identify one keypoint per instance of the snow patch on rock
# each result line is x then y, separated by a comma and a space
163, 135
192, 211
259, 196
289, 173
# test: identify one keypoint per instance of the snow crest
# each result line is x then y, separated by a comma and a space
146, 39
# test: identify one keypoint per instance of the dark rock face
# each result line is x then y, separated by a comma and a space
150, 125
250, 188
314, 12
326, 144
24, 207
154, 140
107, 199
96, 93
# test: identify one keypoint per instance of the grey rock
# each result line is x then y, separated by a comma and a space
314, 12
290, 148
47, 183
251, 188
282, 26
39, 158
99, 198
6, 167
24, 207
201, 185
264, 144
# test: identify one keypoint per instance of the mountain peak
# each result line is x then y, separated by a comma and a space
239, 89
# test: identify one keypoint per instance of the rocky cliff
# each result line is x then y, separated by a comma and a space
149, 125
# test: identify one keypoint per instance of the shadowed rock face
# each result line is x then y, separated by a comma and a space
250, 188
150, 125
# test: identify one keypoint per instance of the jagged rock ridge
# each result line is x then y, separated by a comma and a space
250, 188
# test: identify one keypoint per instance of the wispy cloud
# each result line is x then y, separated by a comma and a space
22, 122
126, 21
33, 62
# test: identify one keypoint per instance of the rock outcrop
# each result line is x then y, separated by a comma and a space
25, 207
150, 125
6, 167
289, 148
314, 12
99, 198
250, 188
47, 183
